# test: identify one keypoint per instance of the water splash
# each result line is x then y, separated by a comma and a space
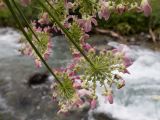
8, 42
139, 99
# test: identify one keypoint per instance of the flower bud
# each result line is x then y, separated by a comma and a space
121, 8
87, 46
121, 84
109, 97
93, 104
38, 63
77, 85
76, 55
146, 8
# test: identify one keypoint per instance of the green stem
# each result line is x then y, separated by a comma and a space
66, 33
30, 42
26, 21
52, 7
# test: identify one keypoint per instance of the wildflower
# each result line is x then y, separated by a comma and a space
83, 92
38, 63
121, 8
104, 10
83, 38
93, 103
76, 54
78, 102
145, 7
77, 85
44, 19
86, 24
127, 61
87, 46
109, 98
123, 49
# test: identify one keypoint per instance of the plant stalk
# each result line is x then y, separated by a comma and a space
30, 42
66, 32
25, 20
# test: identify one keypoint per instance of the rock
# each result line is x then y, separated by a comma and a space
103, 116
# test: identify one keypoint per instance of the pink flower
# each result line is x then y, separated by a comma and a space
27, 50
109, 98
124, 50
44, 18
86, 24
104, 12
76, 55
38, 63
78, 102
145, 7
87, 47
71, 74
77, 85
84, 38
46, 55
121, 8
83, 92
93, 104
127, 61
71, 66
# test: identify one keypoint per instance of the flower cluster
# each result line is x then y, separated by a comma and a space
43, 45
71, 95
89, 68
108, 66
80, 87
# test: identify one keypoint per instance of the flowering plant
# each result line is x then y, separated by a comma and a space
76, 84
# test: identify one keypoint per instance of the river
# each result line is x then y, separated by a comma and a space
138, 100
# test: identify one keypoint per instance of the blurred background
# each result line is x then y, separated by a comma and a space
138, 100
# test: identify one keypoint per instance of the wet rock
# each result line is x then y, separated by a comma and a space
103, 116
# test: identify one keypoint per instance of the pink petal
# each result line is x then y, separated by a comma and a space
146, 8
77, 85
38, 63
93, 104
109, 98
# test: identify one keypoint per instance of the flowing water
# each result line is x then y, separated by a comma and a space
138, 100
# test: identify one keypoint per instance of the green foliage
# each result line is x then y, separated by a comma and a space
129, 23
66, 91
87, 7
30, 12
60, 10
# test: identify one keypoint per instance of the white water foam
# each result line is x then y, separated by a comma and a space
8, 42
136, 100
